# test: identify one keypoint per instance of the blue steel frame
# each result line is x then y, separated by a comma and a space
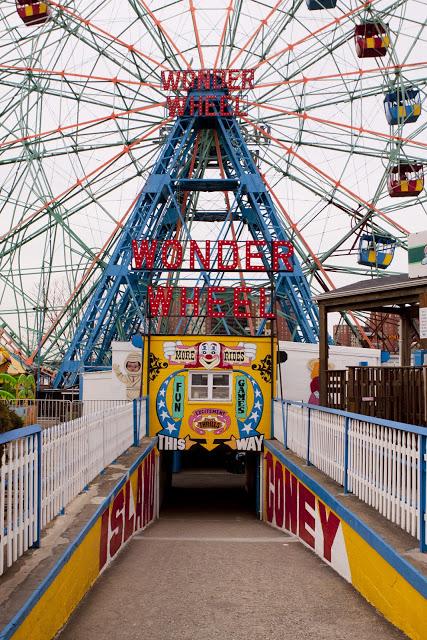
118, 306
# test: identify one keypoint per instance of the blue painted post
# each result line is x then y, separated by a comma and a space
272, 420
285, 430
39, 489
177, 462
308, 436
135, 424
346, 428
258, 476
423, 493
147, 416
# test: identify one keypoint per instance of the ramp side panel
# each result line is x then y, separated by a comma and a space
130, 507
296, 503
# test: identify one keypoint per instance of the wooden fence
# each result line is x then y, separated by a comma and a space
391, 393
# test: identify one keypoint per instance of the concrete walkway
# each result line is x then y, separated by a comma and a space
208, 570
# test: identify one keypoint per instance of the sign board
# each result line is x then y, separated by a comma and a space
417, 254
213, 91
209, 391
256, 256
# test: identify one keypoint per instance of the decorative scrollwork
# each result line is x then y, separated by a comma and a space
155, 366
265, 368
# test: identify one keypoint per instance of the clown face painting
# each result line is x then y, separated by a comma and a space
210, 354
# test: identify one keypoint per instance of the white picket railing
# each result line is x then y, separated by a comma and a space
74, 452
43, 470
48, 412
19, 493
381, 462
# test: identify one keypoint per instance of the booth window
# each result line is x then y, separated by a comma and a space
210, 386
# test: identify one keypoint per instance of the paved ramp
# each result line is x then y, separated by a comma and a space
208, 570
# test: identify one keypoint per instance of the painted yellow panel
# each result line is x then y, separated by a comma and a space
385, 588
63, 595
285, 500
210, 390
130, 510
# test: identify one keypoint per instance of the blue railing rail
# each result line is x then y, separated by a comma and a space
19, 434
347, 417
140, 411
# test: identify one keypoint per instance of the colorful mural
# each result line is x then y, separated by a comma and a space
210, 392
131, 378
294, 502
130, 507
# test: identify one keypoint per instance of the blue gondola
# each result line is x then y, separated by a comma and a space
402, 106
376, 251
314, 5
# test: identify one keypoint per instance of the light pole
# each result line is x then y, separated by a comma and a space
39, 330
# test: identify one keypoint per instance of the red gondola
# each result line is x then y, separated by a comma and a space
406, 180
32, 12
372, 39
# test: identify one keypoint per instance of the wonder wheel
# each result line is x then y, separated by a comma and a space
335, 122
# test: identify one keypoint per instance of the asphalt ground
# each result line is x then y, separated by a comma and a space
208, 570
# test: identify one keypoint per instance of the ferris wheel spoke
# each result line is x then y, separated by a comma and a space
272, 33
307, 80
96, 262
162, 44
304, 116
160, 26
85, 124
322, 190
69, 75
311, 34
262, 23
131, 48
330, 179
220, 50
192, 10
106, 164
60, 213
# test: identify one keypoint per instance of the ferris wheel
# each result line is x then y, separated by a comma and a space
335, 120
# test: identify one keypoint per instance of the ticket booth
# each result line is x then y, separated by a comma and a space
209, 390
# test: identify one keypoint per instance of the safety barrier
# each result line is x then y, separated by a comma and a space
129, 508
382, 462
20, 504
74, 452
43, 470
295, 502
47, 412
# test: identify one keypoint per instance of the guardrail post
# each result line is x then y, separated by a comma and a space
36, 544
147, 417
308, 436
285, 428
272, 419
135, 423
423, 493
346, 429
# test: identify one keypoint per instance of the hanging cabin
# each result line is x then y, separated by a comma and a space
376, 251
402, 106
315, 5
32, 13
405, 180
372, 40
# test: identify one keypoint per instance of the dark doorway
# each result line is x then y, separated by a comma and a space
211, 483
